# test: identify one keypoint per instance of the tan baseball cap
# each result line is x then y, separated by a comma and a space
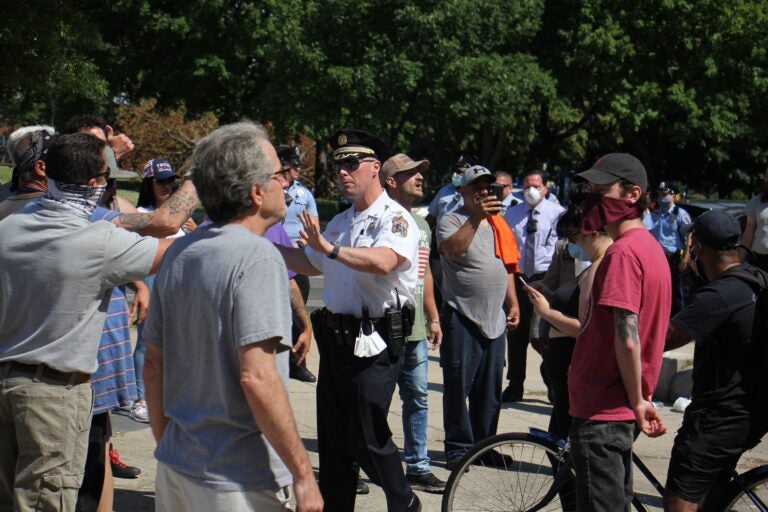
399, 163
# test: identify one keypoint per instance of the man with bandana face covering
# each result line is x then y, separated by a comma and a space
52, 321
27, 146
617, 357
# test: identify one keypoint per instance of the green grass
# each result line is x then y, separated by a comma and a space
5, 174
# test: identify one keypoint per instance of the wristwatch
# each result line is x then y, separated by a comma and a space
335, 252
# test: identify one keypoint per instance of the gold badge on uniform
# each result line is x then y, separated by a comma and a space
400, 225
342, 140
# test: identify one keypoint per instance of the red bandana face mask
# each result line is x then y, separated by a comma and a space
600, 210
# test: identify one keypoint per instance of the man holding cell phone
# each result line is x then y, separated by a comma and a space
476, 287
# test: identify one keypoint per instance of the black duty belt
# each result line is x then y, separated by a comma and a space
41, 370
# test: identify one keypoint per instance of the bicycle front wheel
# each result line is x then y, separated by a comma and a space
738, 500
511, 473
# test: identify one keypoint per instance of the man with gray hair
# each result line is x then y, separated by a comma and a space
52, 318
218, 341
27, 147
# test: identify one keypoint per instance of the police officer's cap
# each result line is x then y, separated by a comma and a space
289, 155
357, 142
465, 161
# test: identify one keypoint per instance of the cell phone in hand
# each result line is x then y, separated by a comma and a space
497, 189
522, 281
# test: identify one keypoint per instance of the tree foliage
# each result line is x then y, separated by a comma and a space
681, 84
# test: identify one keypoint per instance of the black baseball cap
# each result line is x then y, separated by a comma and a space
617, 166
717, 229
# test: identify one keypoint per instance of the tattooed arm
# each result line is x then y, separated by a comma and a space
166, 220
627, 348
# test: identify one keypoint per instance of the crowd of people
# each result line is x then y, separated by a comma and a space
595, 287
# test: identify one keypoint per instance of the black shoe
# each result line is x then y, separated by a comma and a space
494, 459
415, 504
362, 487
508, 395
426, 482
119, 468
452, 464
303, 374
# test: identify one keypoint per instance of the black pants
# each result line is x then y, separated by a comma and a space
557, 359
678, 297
303, 283
517, 340
353, 399
89, 495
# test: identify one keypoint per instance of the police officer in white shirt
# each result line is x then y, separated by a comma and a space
369, 257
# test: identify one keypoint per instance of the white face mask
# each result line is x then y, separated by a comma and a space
456, 179
532, 195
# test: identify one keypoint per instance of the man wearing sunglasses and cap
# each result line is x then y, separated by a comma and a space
369, 257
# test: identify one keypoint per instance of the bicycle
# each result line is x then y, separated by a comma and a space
534, 472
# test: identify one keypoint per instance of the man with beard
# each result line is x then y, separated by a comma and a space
617, 357
402, 179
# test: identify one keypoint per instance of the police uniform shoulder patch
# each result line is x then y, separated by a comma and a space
400, 225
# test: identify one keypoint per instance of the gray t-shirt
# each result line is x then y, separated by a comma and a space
57, 271
218, 289
476, 284
758, 209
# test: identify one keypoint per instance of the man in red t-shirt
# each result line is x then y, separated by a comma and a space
617, 357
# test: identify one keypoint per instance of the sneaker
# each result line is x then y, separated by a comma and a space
119, 468
127, 406
362, 487
494, 459
303, 374
426, 482
140, 412
509, 395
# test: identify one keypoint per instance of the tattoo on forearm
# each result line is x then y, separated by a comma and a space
181, 202
135, 221
626, 326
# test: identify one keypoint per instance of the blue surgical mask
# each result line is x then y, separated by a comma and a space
577, 252
665, 200
456, 179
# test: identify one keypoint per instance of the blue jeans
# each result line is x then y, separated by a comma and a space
141, 349
472, 374
602, 459
412, 383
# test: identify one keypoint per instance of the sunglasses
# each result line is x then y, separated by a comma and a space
349, 164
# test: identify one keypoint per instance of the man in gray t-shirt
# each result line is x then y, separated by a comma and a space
57, 271
476, 287
219, 334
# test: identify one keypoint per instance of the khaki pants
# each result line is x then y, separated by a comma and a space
44, 427
177, 493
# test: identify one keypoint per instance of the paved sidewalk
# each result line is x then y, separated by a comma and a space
135, 443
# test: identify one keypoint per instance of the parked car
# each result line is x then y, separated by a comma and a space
698, 206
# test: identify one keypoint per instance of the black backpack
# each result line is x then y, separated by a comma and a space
758, 371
